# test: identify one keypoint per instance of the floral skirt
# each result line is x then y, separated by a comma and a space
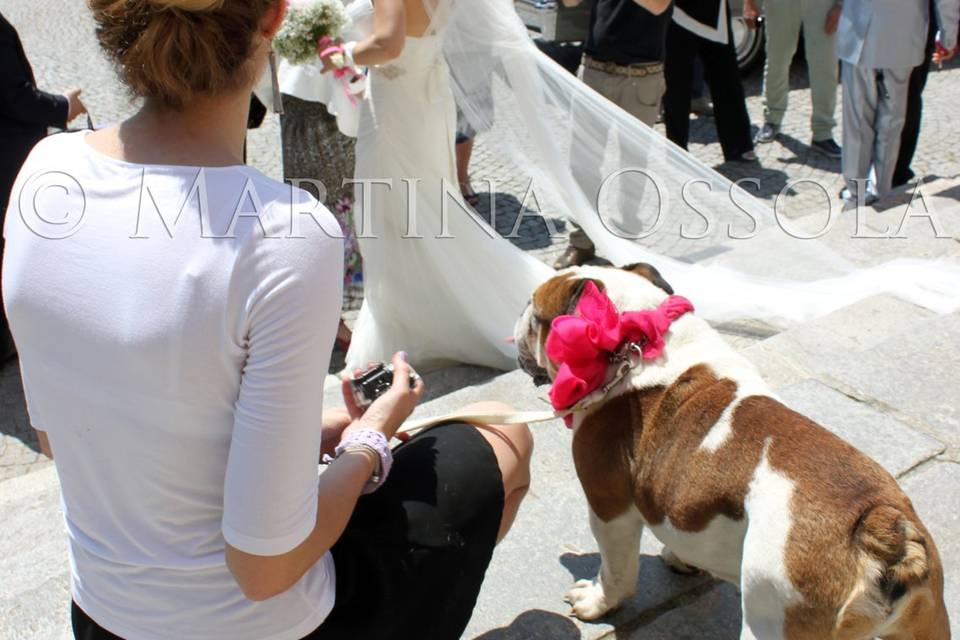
314, 149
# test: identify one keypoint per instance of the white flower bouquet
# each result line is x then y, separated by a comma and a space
312, 27
306, 24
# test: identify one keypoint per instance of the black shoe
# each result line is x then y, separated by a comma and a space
900, 179
702, 107
573, 257
828, 148
768, 133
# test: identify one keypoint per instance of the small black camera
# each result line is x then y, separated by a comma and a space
373, 383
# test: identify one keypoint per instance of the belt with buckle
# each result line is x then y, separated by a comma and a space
632, 70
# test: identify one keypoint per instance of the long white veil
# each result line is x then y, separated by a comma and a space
548, 127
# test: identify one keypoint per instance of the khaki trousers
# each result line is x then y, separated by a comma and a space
638, 96
783, 21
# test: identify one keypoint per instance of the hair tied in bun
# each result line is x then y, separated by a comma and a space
190, 5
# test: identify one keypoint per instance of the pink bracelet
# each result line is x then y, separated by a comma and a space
372, 441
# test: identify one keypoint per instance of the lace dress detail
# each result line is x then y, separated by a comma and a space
390, 71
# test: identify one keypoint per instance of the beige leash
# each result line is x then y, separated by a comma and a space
626, 365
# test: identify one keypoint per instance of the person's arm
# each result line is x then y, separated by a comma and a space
21, 100
656, 7
387, 40
751, 13
279, 519
340, 486
833, 18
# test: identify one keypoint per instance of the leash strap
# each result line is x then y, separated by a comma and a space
413, 427
625, 365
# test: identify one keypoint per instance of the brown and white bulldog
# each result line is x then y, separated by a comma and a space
694, 445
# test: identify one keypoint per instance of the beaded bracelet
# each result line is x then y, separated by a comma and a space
370, 440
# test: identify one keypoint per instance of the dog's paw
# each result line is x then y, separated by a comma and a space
588, 600
676, 564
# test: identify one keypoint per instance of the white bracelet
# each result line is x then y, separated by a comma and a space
368, 440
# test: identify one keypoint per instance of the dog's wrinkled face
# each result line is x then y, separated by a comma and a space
559, 296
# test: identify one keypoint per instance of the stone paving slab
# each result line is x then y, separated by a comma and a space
935, 492
35, 588
824, 343
896, 446
899, 358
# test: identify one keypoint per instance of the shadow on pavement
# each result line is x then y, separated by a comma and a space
526, 228
535, 624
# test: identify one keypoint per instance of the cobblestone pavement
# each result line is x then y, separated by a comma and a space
58, 37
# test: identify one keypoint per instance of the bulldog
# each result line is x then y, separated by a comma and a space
690, 442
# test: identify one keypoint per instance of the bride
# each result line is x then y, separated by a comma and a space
439, 282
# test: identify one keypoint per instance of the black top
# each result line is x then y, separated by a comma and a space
623, 32
25, 111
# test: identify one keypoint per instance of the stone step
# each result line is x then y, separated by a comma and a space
897, 357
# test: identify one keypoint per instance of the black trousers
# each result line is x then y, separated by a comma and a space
903, 174
722, 76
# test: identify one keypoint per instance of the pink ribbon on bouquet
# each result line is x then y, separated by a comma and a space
345, 73
584, 343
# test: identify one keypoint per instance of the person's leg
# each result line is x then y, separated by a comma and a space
464, 149
782, 24
902, 173
729, 100
586, 157
859, 113
681, 50
415, 552
513, 447
891, 110
640, 96
821, 53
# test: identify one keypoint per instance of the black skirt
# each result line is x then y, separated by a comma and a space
414, 554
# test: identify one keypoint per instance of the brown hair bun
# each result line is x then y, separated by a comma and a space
174, 51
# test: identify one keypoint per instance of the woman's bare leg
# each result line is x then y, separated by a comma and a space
513, 446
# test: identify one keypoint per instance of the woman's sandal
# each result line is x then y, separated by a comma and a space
469, 195
343, 341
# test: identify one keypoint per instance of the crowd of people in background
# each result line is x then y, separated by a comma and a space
642, 54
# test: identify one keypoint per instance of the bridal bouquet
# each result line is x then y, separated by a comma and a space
313, 29
307, 23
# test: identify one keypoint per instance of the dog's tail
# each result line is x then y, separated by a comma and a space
901, 582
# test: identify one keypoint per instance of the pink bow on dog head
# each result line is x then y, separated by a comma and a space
583, 343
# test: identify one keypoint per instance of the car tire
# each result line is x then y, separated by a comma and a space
749, 43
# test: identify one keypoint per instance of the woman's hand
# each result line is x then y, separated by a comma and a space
333, 60
751, 14
387, 412
833, 19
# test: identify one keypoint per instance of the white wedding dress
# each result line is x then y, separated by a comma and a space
447, 299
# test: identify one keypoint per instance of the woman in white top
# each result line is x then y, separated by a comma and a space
174, 311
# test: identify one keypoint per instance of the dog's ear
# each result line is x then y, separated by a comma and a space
647, 271
559, 296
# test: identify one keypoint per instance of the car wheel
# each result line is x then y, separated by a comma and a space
749, 44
